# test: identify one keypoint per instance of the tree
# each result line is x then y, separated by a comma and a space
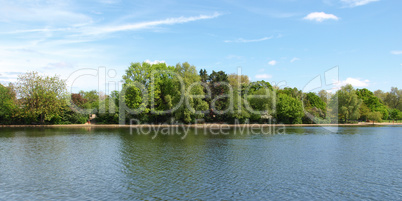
347, 103
153, 89
203, 75
261, 99
289, 109
196, 104
372, 102
218, 83
380, 94
236, 81
292, 92
394, 98
314, 107
364, 112
375, 116
8, 105
324, 96
395, 114
42, 97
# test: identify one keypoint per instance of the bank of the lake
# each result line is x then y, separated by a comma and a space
208, 125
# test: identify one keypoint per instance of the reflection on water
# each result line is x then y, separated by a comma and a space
306, 163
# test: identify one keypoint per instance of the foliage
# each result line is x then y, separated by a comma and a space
289, 109
8, 107
157, 93
314, 107
394, 98
42, 97
372, 102
375, 116
347, 103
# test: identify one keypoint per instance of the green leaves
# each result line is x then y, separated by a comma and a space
42, 97
289, 109
348, 102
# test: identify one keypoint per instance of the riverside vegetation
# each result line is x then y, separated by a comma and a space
157, 93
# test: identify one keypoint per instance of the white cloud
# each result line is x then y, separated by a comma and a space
241, 40
354, 3
150, 24
294, 59
320, 16
355, 82
396, 52
272, 63
154, 62
81, 30
263, 76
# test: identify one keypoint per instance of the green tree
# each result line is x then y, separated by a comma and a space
315, 108
375, 117
292, 92
372, 102
380, 94
8, 107
324, 96
42, 97
395, 114
153, 90
289, 109
347, 103
364, 112
218, 83
261, 99
394, 98
193, 93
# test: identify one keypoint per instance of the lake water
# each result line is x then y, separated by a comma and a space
111, 164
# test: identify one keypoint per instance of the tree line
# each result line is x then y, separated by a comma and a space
157, 93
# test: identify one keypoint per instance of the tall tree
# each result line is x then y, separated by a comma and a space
218, 83
394, 98
195, 105
204, 75
42, 97
347, 103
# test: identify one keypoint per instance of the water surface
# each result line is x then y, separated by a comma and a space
112, 164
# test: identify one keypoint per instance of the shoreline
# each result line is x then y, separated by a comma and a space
213, 125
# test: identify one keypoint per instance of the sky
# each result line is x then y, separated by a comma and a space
285, 42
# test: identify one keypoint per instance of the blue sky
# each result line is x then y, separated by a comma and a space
287, 42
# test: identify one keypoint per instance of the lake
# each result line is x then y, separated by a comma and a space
306, 163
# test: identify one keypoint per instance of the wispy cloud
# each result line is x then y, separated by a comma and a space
241, 40
263, 76
396, 52
272, 63
149, 24
320, 16
294, 59
354, 3
107, 29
